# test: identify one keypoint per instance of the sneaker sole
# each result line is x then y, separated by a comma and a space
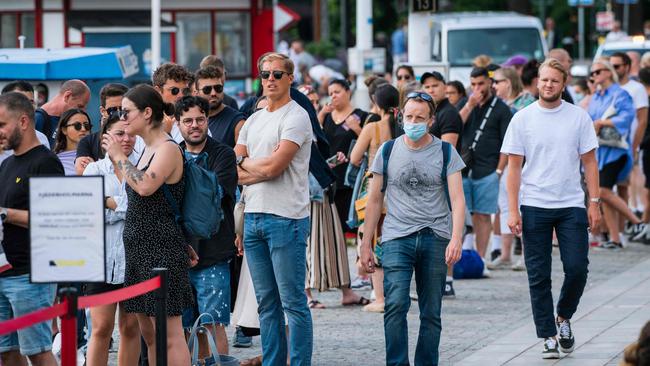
551, 356
240, 345
566, 350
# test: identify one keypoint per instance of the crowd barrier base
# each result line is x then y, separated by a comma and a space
70, 302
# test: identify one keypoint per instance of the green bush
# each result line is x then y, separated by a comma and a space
322, 49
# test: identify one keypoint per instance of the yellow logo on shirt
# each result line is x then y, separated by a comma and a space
17, 180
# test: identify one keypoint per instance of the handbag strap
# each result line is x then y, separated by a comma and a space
479, 131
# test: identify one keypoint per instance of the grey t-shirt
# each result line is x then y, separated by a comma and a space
415, 195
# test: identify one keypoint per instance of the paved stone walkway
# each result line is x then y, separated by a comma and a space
492, 317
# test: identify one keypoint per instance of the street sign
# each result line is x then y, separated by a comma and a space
581, 2
424, 5
604, 21
283, 17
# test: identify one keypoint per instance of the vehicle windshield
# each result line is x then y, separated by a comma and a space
609, 52
499, 43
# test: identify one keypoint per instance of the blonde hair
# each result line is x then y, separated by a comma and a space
556, 65
481, 61
605, 62
516, 87
645, 60
276, 56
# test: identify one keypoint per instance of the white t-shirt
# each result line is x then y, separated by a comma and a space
288, 194
552, 141
639, 98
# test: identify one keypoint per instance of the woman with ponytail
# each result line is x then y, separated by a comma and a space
372, 136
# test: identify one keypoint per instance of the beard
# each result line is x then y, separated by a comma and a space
215, 104
550, 99
197, 141
13, 141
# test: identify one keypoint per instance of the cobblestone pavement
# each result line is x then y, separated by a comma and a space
482, 311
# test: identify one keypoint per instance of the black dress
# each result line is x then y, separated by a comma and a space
340, 138
153, 239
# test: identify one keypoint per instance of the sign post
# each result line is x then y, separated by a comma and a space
581, 23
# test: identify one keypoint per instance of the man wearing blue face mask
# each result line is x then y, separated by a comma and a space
420, 175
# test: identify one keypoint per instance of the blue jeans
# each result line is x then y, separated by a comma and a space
17, 298
570, 225
276, 253
424, 252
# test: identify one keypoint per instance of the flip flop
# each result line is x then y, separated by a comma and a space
362, 302
315, 304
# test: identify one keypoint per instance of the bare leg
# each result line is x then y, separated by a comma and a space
624, 194
618, 204
128, 352
42, 359
482, 229
103, 320
177, 352
378, 285
506, 249
611, 220
13, 358
219, 334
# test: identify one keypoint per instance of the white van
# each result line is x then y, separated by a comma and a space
448, 42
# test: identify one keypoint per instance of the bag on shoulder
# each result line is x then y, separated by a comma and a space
201, 214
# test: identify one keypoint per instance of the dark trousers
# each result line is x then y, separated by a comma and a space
570, 225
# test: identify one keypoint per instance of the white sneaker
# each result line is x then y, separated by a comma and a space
373, 297
519, 266
499, 264
56, 345
81, 358
486, 271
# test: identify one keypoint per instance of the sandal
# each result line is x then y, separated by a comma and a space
255, 361
362, 302
315, 304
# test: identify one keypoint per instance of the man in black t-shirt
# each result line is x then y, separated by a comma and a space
31, 158
225, 122
210, 278
448, 127
486, 120
89, 148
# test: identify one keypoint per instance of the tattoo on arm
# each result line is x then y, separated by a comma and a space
130, 171
153, 175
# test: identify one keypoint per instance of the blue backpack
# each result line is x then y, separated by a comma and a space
201, 214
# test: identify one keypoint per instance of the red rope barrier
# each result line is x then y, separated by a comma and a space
30, 319
57, 310
122, 294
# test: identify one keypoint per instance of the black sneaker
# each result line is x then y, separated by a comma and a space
449, 290
550, 349
566, 338
637, 229
495, 254
611, 245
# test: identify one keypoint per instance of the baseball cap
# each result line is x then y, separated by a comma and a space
516, 60
433, 74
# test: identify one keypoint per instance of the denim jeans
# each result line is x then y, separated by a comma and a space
424, 252
276, 253
570, 225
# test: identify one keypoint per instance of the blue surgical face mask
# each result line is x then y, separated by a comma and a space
579, 97
415, 131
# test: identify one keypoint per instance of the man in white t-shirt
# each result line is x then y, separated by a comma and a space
554, 137
622, 64
273, 152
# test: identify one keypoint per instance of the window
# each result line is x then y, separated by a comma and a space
193, 38
28, 29
8, 36
232, 42
500, 44
436, 46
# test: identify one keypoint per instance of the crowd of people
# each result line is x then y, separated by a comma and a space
521, 159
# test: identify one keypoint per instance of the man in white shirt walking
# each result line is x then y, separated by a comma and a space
554, 137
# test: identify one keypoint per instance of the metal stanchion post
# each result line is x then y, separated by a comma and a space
69, 327
161, 317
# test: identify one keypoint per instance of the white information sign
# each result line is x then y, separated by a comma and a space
66, 223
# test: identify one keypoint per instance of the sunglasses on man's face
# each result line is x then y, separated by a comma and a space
277, 74
78, 125
617, 66
208, 89
175, 90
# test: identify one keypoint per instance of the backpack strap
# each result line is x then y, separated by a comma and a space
385, 154
446, 154
178, 216
47, 123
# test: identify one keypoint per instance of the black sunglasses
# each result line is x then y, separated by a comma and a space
112, 110
617, 66
424, 96
208, 89
123, 114
277, 74
597, 72
175, 90
403, 77
78, 125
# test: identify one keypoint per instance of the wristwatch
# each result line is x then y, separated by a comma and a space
240, 159
3, 214
596, 200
